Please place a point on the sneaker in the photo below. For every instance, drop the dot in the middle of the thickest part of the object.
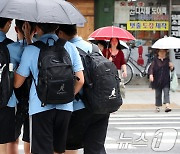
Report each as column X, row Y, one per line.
column 167, row 109
column 157, row 109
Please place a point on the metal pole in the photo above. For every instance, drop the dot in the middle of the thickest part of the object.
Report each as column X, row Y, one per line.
column 170, row 12
column 171, row 54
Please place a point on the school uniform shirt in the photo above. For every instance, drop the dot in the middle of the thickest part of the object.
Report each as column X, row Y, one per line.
column 15, row 51
column 28, row 64
column 87, row 47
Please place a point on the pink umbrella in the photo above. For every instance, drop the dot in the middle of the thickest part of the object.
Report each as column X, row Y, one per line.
column 106, row 33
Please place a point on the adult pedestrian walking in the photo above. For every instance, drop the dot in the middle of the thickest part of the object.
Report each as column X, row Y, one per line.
column 115, row 54
column 159, row 76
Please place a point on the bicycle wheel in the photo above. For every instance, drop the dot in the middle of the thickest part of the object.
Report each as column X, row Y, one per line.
column 147, row 70
column 129, row 74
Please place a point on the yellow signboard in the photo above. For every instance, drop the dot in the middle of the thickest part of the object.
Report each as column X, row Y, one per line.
column 148, row 25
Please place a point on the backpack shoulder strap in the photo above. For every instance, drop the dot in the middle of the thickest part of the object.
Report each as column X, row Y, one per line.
column 95, row 48
column 81, row 52
column 7, row 41
column 61, row 42
column 39, row 44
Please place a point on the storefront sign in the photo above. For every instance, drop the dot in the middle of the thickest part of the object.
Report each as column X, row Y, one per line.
column 148, row 25
column 134, row 10
column 175, row 24
column 148, row 13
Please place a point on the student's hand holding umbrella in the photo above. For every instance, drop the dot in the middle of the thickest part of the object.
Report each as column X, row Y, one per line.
column 27, row 32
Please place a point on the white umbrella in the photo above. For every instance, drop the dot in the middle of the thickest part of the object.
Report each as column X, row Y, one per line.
column 167, row 43
column 43, row 11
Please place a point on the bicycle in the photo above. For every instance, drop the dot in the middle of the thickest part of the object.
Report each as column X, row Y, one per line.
column 143, row 70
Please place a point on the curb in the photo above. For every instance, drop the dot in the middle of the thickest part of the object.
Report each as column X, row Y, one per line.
column 144, row 106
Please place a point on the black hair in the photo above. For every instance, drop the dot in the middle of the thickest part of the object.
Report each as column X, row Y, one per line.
column 102, row 42
column 47, row 27
column 118, row 46
column 3, row 21
column 19, row 24
column 69, row 30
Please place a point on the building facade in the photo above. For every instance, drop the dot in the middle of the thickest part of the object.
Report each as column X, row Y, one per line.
column 146, row 20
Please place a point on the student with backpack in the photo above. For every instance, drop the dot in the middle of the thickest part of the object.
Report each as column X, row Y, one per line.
column 49, row 103
column 25, row 32
column 86, row 129
column 9, row 57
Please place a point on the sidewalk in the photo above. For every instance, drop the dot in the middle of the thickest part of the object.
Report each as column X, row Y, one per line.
column 140, row 96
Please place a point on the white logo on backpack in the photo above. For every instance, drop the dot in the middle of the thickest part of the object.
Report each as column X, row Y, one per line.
column 61, row 90
column 113, row 94
column 1, row 70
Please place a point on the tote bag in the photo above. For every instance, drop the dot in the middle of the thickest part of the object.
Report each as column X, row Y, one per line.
column 174, row 81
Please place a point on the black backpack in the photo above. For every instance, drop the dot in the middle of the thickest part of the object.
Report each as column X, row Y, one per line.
column 101, row 93
column 56, row 77
column 6, row 77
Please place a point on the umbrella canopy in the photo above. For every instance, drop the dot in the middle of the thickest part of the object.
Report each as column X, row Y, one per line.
column 106, row 33
column 167, row 43
column 42, row 11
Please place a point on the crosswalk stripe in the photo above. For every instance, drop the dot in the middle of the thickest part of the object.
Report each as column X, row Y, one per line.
column 140, row 115
column 110, row 139
column 143, row 123
column 143, row 118
column 116, row 146
column 146, row 128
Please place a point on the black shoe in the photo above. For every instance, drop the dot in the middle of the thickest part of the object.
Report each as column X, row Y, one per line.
column 167, row 109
